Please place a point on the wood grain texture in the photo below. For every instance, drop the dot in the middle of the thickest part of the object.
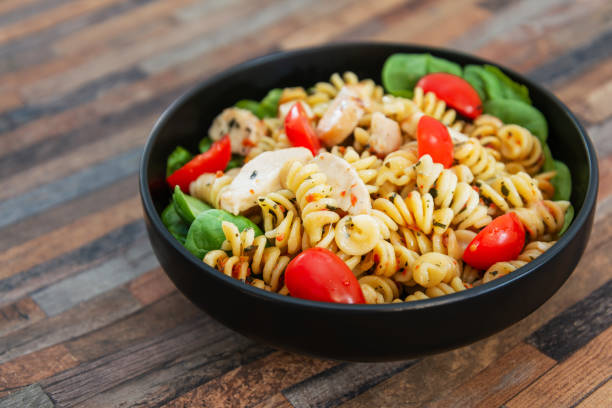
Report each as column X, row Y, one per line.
column 87, row 316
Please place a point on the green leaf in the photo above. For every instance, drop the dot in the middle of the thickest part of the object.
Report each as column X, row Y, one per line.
column 490, row 84
column 401, row 72
column 177, row 159
column 269, row 104
column 562, row 182
column 519, row 113
column 236, row 161
column 473, row 78
column 175, row 224
column 206, row 234
column 186, row 206
column 435, row 64
column 205, row 144
column 510, row 89
column 569, row 216
column 250, row 105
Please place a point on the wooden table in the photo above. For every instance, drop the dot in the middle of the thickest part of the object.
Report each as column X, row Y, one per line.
column 88, row 318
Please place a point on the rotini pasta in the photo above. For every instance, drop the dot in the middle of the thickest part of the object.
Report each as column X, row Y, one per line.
column 400, row 221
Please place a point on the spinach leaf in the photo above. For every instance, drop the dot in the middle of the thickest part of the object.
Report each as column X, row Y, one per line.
column 177, row 159
column 175, row 224
column 206, row 234
column 186, row 206
column 236, row 161
column 401, row 72
column 510, row 89
column 491, row 86
column 205, row 144
column 562, row 182
column 250, row 105
column 569, row 216
column 473, row 78
column 268, row 106
column 519, row 113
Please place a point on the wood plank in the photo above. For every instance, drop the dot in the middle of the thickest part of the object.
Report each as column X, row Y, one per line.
column 576, row 326
column 54, row 16
column 19, row 314
column 116, row 304
column 34, row 367
column 250, row 384
column 70, row 263
column 154, row 371
column 451, row 19
column 151, row 286
column 30, row 396
column 503, row 379
column 599, row 398
column 9, row 5
column 341, row 383
column 10, row 100
column 165, row 314
column 566, row 383
column 68, row 238
column 342, row 19
column 68, row 293
column 276, row 401
column 77, row 159
column 418, row 385
column 56, row 217
column 586, row 94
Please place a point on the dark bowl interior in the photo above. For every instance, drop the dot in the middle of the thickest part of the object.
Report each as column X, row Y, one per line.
column 357, row 332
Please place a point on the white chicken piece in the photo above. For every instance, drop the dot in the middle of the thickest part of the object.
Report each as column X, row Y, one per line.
column 343, row 114
column 244, row 129
column 385, row 134
column 410, row 124
column 258, row 177
column 283, row 109
column 349, row 191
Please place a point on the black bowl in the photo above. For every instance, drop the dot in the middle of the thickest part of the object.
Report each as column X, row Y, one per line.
column 357, row 332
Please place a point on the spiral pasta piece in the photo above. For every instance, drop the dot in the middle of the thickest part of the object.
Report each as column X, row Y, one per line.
column 543, row 219
column 479, row 160
column 452, row 243
column 531, row 252
column 357, row 234
column 431, row 105
column 397, row 169
column 281, row 221
column 454, row 286
column 378, row 289
column 366, row 165
column 209, row 186
column 433, row 268
column 513, row 191
column 313, row 198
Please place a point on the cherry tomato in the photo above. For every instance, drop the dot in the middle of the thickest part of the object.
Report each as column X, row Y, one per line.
column 455, row 91
column 214, row 159
column 299, row 130
column 319, row 274
column 433, row 139
column 501, row 240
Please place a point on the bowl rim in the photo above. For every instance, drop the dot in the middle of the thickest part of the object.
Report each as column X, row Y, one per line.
column 578, row 222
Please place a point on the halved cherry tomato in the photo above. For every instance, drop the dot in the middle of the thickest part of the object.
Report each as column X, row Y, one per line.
column 501, row 240
column 299, row 130
column 214, row 159
column 455, row 91
column 433, row 139
column 319, row 274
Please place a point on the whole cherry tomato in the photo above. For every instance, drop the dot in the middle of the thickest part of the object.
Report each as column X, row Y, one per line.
column 433, row 139
column 299, row 130
column 211, row 161
column 501, row 240
column 455, row 91
column 319, row 274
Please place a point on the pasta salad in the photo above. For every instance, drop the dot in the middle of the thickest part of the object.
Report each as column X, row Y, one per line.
column 348, row 191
